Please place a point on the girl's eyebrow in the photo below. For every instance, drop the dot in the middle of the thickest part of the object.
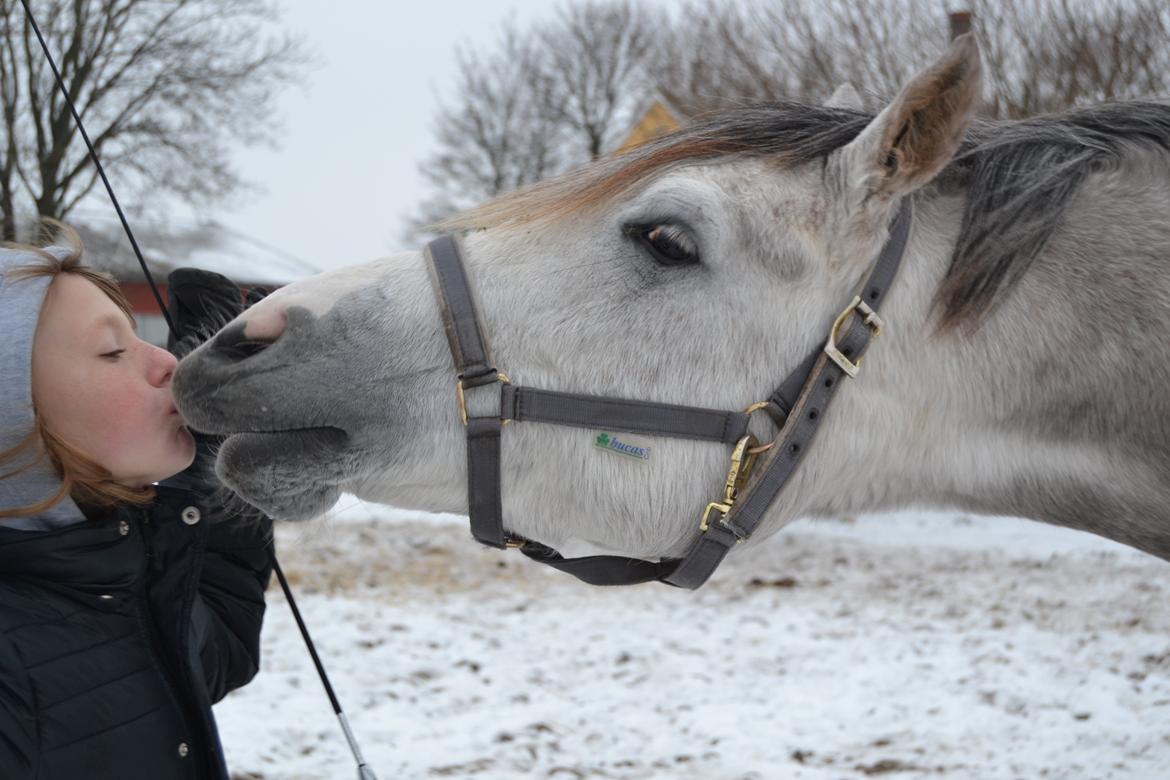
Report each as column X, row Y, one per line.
column 106, row 319
column 110, row 320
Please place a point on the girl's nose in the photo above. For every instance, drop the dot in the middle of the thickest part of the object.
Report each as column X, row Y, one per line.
column 162, row 366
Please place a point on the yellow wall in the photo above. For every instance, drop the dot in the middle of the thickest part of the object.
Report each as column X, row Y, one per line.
column 655, row 122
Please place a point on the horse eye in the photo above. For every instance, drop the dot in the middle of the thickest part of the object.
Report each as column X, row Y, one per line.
column 669, row 245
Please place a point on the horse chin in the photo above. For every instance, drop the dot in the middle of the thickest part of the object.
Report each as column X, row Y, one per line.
column 289, row 475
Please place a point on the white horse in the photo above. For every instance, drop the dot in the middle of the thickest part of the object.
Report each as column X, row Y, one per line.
column 1022, row 371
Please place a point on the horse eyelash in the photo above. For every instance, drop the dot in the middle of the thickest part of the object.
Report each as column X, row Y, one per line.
column 678, row 233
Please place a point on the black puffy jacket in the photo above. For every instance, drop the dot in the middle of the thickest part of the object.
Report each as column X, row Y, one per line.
column 117, row 635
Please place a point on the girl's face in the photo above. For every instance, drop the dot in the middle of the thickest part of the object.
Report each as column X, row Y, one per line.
column 104, row 390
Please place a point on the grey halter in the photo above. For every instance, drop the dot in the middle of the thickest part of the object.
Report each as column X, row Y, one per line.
column 797, row 406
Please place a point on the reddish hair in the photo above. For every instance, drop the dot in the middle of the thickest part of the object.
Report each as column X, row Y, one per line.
column 83, row 479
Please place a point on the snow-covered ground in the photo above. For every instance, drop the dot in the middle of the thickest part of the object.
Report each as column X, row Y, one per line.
column 903, row 646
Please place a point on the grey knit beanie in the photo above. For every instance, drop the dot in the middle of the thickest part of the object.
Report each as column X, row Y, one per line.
column 20, row 305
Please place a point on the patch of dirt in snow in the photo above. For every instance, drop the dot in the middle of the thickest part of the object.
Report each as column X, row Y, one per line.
column 818, row 655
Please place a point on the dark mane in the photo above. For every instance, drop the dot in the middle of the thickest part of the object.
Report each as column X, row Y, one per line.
column 1018, row 176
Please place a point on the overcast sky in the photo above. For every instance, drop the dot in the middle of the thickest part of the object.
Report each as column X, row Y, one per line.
column 338, row 188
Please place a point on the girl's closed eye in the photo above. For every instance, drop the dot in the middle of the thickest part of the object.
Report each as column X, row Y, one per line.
column 114, row 355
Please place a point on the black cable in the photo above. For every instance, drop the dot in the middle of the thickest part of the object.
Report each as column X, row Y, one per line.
column 305, row 633
column 97, row 163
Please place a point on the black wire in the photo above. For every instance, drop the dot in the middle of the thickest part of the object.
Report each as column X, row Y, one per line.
column 305, row 633
column 171, row 325
column 97, row 163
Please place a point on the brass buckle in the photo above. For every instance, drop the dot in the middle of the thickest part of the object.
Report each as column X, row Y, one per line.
column 869, row 317
column 742, row 461
column 758, row 449
column 461, row 395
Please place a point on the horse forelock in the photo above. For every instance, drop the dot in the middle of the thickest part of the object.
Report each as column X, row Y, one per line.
column 1018, row 177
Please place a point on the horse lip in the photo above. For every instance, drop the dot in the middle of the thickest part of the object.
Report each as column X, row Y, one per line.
column 305, row 429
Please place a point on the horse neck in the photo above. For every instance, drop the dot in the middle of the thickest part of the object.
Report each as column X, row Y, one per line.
column 1054, row 409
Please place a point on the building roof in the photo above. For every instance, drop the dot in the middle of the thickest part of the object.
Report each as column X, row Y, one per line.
column 659, row 116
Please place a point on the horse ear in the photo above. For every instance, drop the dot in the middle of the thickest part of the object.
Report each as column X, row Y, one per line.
column 918, row 133
column 845, row 96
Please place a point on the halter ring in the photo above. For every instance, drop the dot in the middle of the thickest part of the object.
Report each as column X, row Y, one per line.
column 461, row 396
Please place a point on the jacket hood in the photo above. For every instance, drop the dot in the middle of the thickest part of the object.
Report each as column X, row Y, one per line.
column 35, row 480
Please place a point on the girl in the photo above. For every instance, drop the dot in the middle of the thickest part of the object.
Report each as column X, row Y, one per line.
column 125, row 613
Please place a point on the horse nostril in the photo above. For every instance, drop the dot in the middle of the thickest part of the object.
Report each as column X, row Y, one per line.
column 259, row 328
column 232, row 344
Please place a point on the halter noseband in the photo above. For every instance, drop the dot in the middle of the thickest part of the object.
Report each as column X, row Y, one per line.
column 757, row 473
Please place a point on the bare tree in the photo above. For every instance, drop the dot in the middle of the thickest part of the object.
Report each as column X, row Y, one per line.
column 542, row 100
column 1039, row 55
column 724, row 54
column 593, row 76
column 1045, row 55
column 163, row 87
column 496, row 136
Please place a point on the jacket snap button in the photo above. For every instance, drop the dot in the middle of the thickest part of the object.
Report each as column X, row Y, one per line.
column 123, row 528
column 183, row 750
column 106, row 597
column 191, row 515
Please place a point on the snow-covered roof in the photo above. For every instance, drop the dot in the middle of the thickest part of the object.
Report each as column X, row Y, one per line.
column 205, row 244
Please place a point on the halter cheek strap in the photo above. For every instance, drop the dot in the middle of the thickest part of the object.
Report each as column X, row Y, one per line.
column 798, row 405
